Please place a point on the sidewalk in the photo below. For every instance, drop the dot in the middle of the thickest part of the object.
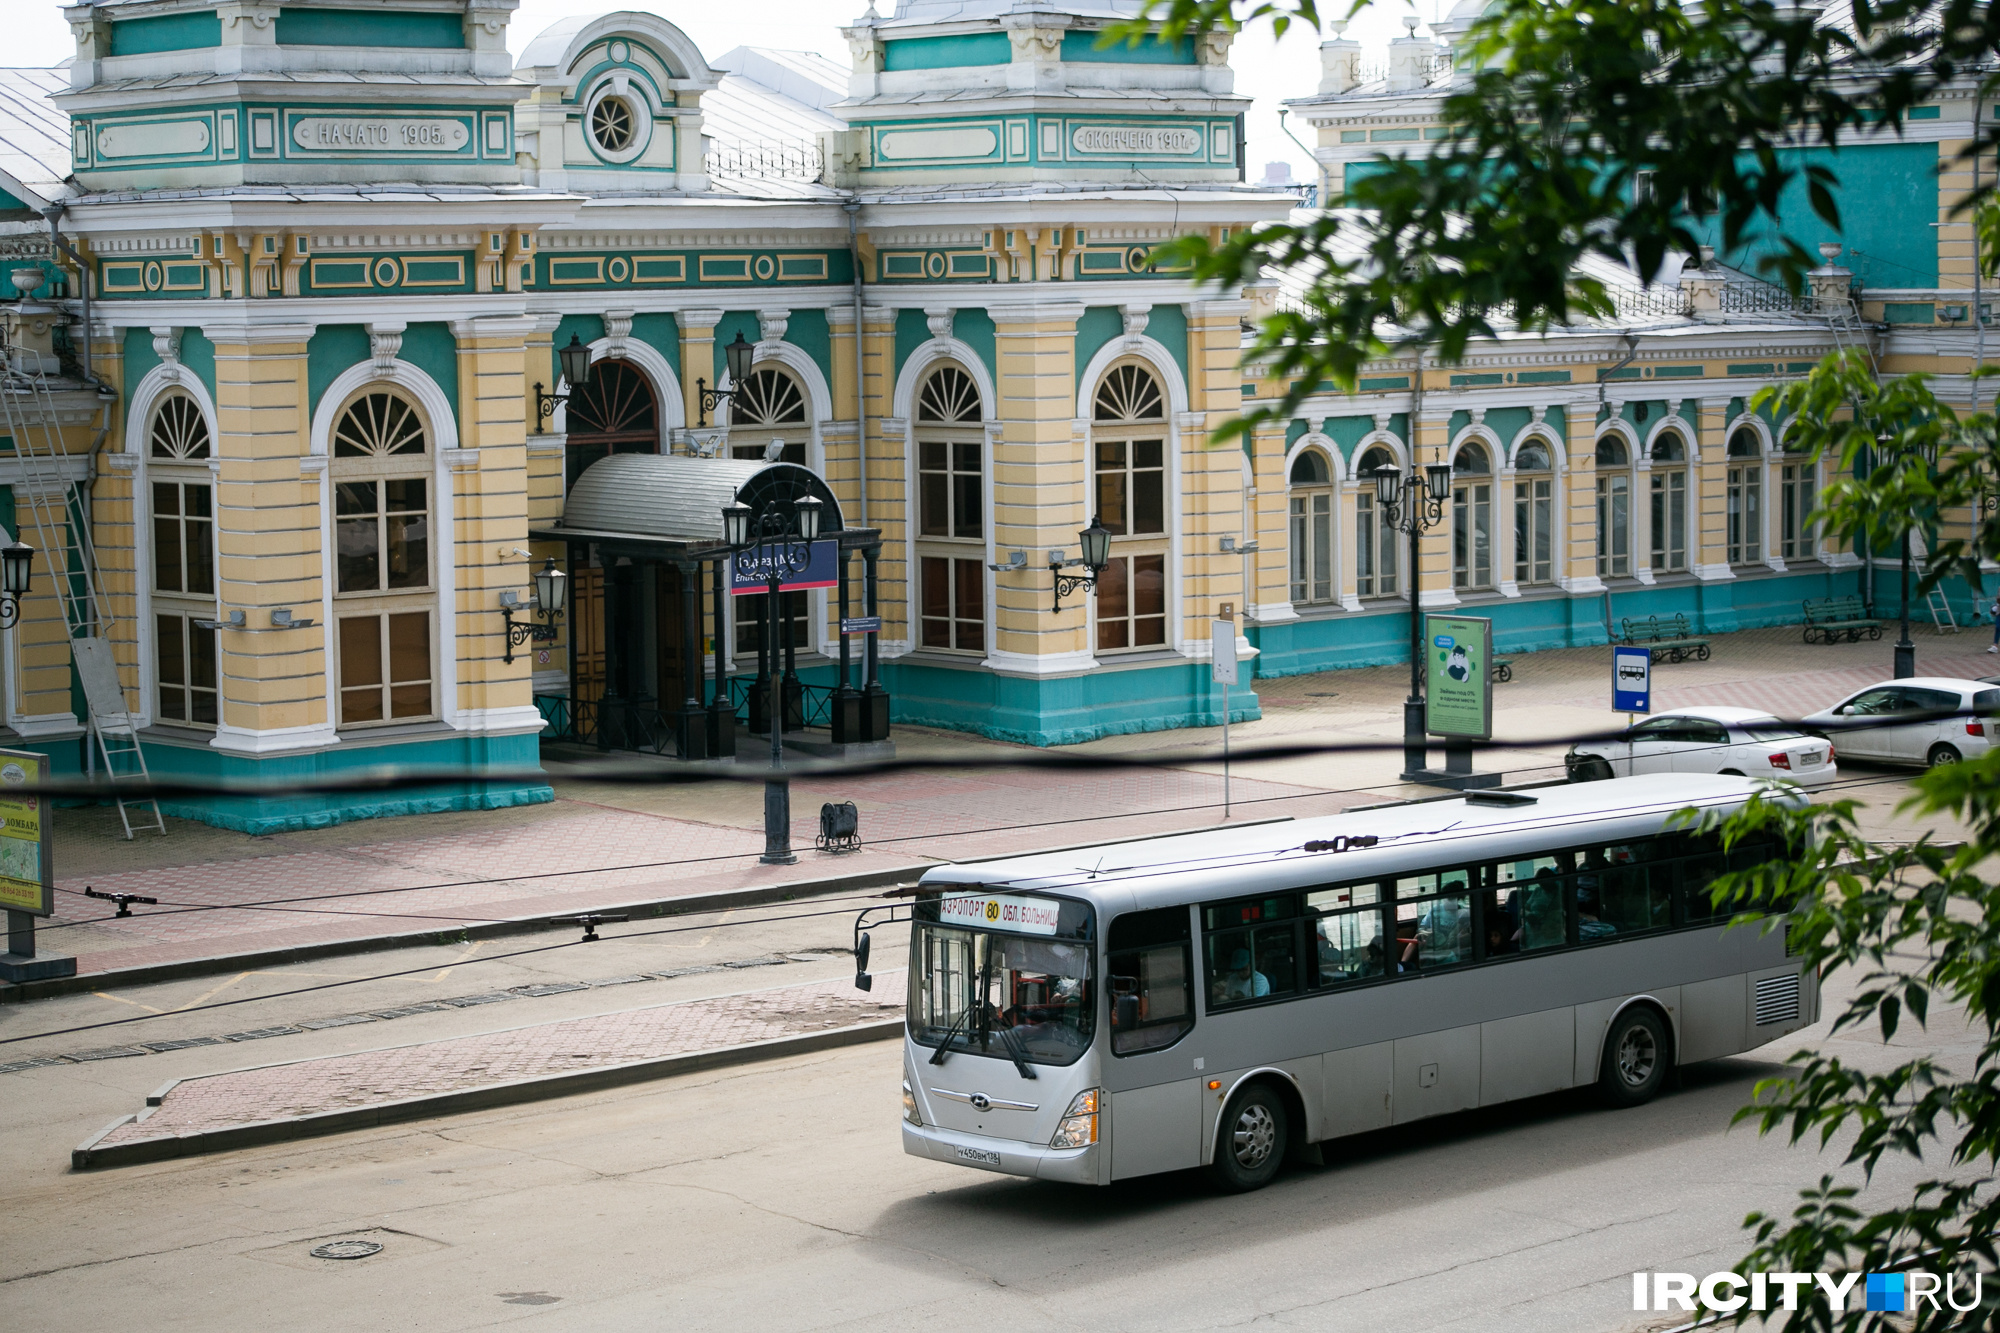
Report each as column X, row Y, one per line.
column 601, row 845
column 302, row 1098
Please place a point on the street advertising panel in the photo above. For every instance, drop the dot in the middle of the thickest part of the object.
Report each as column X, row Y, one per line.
column 27, row 836
column 1458, row 677
column 750, row 571
column 1223, row 633
column 1632, row 680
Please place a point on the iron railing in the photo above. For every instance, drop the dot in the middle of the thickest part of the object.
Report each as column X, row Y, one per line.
column 637, row 727
column 763, row 160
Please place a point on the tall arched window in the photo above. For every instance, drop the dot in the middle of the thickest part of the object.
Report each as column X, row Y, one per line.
column 1472, row 518
column 1129, row 430
column 1311, row 505
column 1798, row 494
column 951, row 512
column 1374, row 540
column 384, row 592
column 182, row 492
column 1746, row 498
column 1614, row 509
column 1534, row 513
column 769, row 405
column 613, row 412
column 1669, row 515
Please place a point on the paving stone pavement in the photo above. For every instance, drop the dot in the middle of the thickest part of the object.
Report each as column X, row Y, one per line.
column 371, row 1078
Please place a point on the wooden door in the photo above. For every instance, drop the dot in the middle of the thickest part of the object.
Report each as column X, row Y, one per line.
column 667, row 629
column 586, row 624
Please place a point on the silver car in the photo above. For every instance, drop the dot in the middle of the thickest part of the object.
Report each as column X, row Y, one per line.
column 1928, row 720
column 1707, row 738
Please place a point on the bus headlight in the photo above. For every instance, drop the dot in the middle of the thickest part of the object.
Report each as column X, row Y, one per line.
column 910, row 1105
column 1079, row 1124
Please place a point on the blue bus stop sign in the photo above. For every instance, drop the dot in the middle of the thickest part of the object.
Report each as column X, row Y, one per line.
column 1632, row 680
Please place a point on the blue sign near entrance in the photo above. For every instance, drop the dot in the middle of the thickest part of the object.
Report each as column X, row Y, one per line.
column 750, row 571
column 1632, row 680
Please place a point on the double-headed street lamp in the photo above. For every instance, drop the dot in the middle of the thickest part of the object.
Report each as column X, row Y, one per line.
column 781, row 533
column 1414, row 504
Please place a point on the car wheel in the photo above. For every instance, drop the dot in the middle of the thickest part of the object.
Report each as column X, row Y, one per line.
column 1635, row 1058
column 1733, row 773
column 1591, row 769
column 1250, row 1146
column 1941, row 755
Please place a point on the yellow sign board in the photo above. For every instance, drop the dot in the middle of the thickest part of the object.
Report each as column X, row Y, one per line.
column 27, row 870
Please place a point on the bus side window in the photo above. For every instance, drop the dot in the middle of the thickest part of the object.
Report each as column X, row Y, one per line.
column 1701, row 864
column 1347, row 936
column 1152, row 983
column 1620, row 891
column 1434, row 919
column 1256, row 960
column 1530, row 901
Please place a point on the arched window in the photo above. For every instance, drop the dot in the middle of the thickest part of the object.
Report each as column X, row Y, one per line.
column 1669, row 494
column 613, row 412
column 1129, row 430
column 951, row 512
column 1614, row 509
column 181, row 491
column 384, row 591
column 1374, row 539
column 1472, row 518
column 1534, row 513
column 1798, row 494
column 1746, row 498
column 1311, row 507
column 769, row 406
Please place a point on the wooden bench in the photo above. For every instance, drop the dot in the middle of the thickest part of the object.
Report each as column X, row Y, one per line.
column 1670, row 637
column 1503, row 668
column 1839, row 620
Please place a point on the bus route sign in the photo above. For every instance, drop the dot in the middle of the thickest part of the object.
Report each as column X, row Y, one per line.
column 27, row 863
column 1003, row 911
column 1458, row 679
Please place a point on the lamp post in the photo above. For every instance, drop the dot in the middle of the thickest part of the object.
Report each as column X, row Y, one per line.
column 575, row 360
column 782, row 534
column 1414, row 505
column 1095, row 543
column 738, row 354
column 17, row 561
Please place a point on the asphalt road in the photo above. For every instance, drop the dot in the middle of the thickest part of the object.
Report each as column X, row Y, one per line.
column 777, row 1197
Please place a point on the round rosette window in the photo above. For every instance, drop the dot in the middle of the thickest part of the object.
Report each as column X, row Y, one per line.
column 618, row 123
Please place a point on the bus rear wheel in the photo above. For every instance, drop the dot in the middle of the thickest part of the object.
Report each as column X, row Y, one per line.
column 1252, row 1142
column 1635, row 1058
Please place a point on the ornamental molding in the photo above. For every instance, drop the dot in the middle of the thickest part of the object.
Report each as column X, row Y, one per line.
column 167, row 346
column 937, row 318
column 617, row 329
column 400, row 240
column 771, row 325
column 385, row 342
column 804, row 238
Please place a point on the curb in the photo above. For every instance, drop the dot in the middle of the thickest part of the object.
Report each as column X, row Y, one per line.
column 88, row 1156
column 148, row 974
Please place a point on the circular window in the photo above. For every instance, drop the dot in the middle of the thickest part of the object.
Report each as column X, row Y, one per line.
column 612, row 125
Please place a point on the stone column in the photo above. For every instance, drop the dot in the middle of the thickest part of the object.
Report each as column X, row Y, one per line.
column 1269, row 597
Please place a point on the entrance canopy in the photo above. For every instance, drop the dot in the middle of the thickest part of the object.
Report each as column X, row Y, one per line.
column 665, row 500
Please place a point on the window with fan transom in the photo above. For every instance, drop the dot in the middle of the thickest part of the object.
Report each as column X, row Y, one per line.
column 180, row 491
column 951, row 511
column 382, row 474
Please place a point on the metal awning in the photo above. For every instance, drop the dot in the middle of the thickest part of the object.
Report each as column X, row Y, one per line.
column 675, row 502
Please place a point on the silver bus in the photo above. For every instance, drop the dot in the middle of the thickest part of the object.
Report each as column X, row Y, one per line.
column 1226, row 999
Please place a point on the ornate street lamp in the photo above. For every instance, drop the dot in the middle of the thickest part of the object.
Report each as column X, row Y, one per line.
column 782, row 534
column 1414, row 504
column 17, row 560
column 575, row 360
column 551, row 588
column 1095, row 542
column 738, row 356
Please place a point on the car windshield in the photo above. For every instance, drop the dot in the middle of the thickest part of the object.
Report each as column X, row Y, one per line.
column 1009, row 996
column 1768, row 731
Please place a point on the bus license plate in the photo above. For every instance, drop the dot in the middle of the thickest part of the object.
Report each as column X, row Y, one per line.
column 979, row 1155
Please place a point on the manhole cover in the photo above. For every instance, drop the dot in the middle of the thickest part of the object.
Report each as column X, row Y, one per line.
column 346, row 1249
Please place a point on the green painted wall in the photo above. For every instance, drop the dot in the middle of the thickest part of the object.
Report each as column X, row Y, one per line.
column 1888, row 197
column 166, row 32
column 9, row 201
column 586, row 329
column 331, row 350
column 912, row 332
column 975, row 48
column 1506, row 423
column 432, row 349
column 974, row 327
column 660, row 332
column 807, row 330
column 1083, row 47
column 197, row 354
column 1166, row 325
column 368, row 27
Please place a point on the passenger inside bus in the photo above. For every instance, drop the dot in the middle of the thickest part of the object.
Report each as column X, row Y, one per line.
column 1241, row 981
column 1542, row 912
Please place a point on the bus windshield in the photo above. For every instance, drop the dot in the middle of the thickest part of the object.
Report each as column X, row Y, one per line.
column 1006, row 996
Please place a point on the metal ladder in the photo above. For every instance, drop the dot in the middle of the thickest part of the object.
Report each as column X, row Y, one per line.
column 62, row 528
column 1941, row 615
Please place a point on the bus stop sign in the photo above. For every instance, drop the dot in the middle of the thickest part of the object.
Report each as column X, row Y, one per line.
column 1632, row 680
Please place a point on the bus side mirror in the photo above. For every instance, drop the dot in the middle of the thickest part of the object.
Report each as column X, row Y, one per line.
column 1125, row 1012
column 862, row 981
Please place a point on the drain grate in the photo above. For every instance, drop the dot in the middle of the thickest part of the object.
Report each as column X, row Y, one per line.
column 345, row 1249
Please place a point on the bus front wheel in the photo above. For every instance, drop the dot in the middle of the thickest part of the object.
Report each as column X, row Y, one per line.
column 1252, row 1142
column 1635, row 1058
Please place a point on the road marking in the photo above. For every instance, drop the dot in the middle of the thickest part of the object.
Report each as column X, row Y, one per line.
column 474, row 948
column 213, row 993
column 107, row 995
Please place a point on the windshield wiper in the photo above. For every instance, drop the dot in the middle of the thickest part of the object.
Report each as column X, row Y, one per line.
column 1012, row 1043
column 944, row 1047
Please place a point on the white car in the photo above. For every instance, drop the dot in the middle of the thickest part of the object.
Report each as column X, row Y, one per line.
column 1707, row 738
column 1927, row 720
